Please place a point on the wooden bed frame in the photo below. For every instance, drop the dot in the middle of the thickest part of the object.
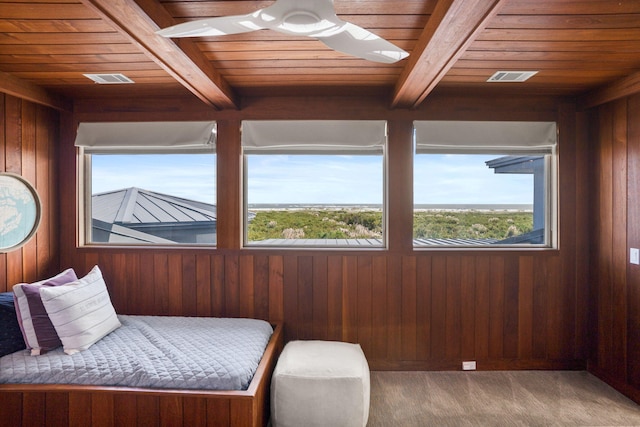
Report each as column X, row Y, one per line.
column 79, row 405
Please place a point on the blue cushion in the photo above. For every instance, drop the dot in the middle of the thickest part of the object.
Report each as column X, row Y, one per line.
column 6, row 300
column 10, row 335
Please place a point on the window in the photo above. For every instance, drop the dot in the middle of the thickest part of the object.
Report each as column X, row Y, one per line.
column 149, row 183
column 314, row 183
column 484, row 184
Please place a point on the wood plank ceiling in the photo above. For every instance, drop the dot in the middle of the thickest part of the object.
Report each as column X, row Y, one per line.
column 576, row 46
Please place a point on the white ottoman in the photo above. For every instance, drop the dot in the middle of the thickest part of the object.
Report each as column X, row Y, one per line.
column 320, row 383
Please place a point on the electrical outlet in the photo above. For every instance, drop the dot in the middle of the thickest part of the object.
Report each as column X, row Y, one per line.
column 469, row 365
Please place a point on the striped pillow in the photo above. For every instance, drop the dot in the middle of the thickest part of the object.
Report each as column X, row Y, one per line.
column 81, row 311
column 38, row 332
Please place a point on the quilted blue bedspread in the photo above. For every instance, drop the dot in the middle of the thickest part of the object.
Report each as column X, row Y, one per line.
column 155, row 352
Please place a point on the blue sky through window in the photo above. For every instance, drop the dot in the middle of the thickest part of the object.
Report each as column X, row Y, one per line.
column 315, row 179
column 190, row 176
column 466, row 179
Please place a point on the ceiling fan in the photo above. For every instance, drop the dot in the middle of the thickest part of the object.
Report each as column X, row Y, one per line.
column 311, row 18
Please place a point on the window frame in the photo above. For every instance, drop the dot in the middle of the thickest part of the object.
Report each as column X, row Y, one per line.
column 299, row 243
column 200, row 141
column 551, row 192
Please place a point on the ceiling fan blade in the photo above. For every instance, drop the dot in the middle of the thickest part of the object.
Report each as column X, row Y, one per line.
column 220, row 26
column 312, row 18
column 356, row 41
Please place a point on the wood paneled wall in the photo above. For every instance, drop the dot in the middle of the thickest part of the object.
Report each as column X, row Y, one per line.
column 408, row 309
column 28, row 140
column 615, row 306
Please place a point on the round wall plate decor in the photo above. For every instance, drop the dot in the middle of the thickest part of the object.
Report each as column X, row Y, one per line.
column 20, row 209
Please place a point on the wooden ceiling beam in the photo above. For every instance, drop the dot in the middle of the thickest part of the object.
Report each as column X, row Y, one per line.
column 451, row 28
column 17, row 87
column 139, row 20
column 626, row 86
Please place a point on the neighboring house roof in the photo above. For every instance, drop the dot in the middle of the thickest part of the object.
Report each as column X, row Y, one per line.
column 113, row 233
column 514, row 164
column 134, row 215
column 370, row 242
column 454, row 242
column 138, row 206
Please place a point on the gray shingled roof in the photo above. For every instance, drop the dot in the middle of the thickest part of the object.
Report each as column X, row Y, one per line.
column 138, row 206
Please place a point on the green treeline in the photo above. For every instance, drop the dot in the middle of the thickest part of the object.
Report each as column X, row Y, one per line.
column 363, row 224
column 471, row 224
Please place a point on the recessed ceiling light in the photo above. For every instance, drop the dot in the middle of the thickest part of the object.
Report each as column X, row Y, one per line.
column 511, row 76
column 109, row 79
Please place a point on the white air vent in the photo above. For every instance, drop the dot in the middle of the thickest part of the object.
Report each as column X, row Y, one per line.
column 109, row 79
column 511, row 76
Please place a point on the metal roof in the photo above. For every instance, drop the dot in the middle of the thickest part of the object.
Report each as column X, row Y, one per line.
column 113, row 233
column 137, row 206
column 370, row 242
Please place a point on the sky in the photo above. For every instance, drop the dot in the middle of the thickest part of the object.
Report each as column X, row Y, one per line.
column 295, row 179
column 466, row 179
column 315, row 179
column 191, row 176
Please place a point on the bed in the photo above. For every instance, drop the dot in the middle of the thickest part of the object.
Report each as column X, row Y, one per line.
column 85, row 404
column 132, row 396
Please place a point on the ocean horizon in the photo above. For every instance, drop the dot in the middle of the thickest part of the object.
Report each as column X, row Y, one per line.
column 419, row 206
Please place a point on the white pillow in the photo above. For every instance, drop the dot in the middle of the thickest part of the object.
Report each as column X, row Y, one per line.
column 37, row 330
column 81, row 311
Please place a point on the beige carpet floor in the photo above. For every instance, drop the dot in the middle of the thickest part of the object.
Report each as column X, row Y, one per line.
column 503, row 398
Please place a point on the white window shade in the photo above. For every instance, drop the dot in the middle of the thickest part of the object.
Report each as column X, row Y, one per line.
column 498, row 137
column 147, row 137
column 314, row 136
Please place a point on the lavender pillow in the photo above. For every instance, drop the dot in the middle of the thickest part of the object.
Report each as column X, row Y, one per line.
column 37, row 330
